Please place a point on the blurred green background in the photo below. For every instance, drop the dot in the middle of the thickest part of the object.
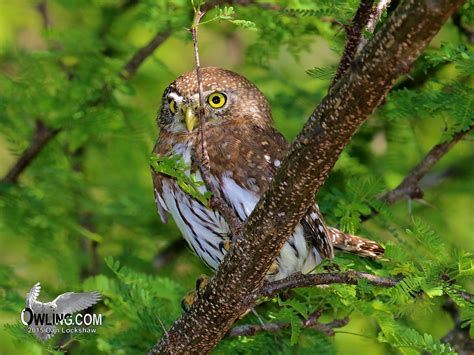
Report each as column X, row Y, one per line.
column 88, row 195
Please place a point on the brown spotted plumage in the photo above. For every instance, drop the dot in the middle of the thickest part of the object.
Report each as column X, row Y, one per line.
column 245, row 152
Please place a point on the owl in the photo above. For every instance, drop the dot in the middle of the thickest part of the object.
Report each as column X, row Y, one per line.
column 245, row 151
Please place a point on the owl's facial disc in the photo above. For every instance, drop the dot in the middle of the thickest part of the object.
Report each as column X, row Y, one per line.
column 185, row 110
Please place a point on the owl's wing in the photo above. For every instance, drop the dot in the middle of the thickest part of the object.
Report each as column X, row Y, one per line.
column 160, row 203
column 314, row 225
column 71, row 302
column 157, row 185
column 243, row 162
column 33, row 294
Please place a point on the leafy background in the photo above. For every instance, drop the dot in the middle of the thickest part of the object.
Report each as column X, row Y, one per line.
column 82, row 217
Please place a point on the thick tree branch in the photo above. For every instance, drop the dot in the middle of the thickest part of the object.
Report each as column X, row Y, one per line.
column 217, row 202
column 354, row 36
column 311, row 157
column 312, row 322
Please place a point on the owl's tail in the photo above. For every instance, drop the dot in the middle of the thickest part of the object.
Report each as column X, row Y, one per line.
column 354, row 244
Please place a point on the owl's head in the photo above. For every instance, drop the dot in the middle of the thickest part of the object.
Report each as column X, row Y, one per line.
column 228, row 97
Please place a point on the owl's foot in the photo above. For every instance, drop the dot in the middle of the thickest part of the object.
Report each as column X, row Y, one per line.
column 191, row 297
column 273, row 269
column 225, row 244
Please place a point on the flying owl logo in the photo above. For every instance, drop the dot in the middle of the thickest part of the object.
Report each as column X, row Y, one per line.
column 43, row 317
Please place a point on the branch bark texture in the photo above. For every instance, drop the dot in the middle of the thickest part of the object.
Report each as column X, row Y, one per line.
column 236, row 285
column 354, row 36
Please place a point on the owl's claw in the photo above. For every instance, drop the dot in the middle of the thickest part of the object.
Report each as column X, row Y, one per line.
column 273, row 269
column 191, row 297
column 225, row 244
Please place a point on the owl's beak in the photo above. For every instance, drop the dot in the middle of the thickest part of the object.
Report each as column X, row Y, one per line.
column 190, row 119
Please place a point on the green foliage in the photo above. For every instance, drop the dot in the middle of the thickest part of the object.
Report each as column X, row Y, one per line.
column 406, row 339
column 177, row 168
column 86, row 200
column 326, row 73
column 228, row 14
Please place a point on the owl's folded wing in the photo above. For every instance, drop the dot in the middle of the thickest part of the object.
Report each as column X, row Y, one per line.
column 160, row 203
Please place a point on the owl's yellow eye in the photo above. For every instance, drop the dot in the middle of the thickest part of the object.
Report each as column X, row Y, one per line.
column 217, row 100
column 172, row 106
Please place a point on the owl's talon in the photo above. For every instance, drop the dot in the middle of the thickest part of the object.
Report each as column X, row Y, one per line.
column 273, row 269
column 192, row 296
column 201, row 282
column 225, row 244
column 188, row 300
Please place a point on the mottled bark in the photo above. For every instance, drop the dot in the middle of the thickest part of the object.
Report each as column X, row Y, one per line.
column 354, row 37
column 311, row 157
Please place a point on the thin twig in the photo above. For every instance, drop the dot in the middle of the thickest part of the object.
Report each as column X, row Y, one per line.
column 410, row 188
column 42, row 8
column 312, row 322
column 458, row 336
column 43, row 134
column 354, row 35
column 131, row 67
column 217, row 202
column 41, row 137
column 307, row 280
column 464, row 29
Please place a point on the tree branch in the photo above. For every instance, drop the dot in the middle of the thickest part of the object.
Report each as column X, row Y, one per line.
column 458, row 337
column 217, row 201
column 43, row 134
column 312, row 322
column 41, row 137
column 131, row 67
column 465, row 30
column 409, row 187
column 236, row 285
column 271, row 289
column 354, row 35
column 42, row 8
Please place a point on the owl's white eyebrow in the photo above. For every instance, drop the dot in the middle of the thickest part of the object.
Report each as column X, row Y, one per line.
column 175, row 97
